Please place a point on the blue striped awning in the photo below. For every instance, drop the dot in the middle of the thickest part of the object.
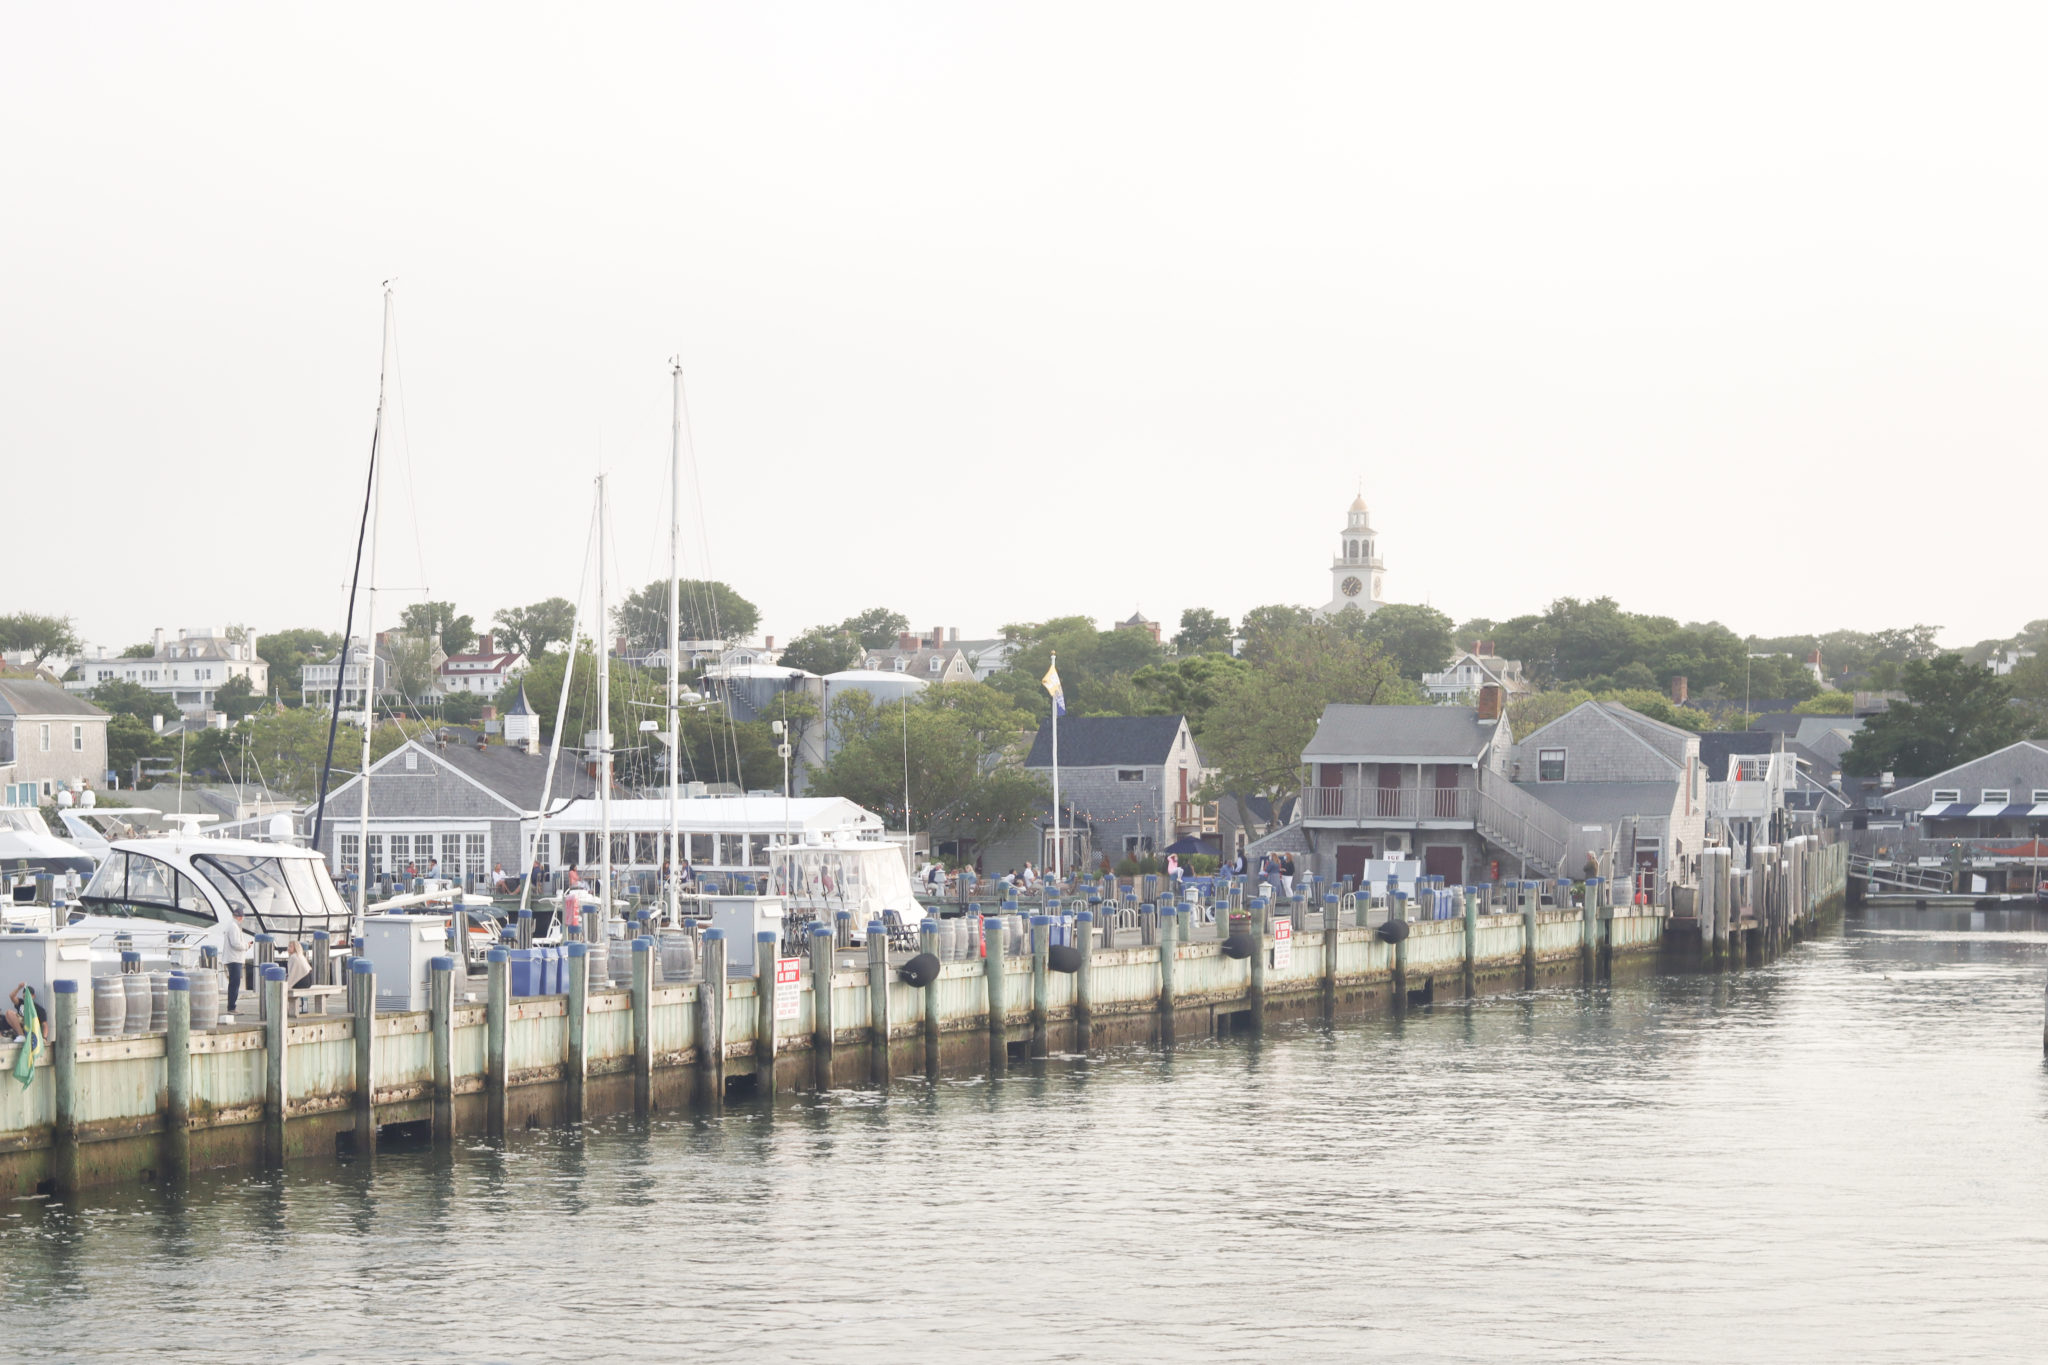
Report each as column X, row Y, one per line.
column 1954, row 810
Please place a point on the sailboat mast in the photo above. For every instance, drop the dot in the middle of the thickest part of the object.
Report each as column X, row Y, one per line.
column 604, row 718
column 369, row 634
column 675, row 635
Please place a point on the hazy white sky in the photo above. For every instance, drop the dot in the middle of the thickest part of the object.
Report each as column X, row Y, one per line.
column 994, row 313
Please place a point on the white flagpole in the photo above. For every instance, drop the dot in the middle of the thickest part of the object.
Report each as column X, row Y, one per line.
column 1057, row 703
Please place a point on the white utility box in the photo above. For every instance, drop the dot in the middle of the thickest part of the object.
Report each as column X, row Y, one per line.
column 742, row 917
column 44, row 957
column 401, row 949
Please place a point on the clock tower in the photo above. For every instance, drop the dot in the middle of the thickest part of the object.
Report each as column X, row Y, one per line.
column 1357, row 574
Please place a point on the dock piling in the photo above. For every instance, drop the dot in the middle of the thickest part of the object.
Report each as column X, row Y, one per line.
column 64, row 1175
column 1168, row 952
column 1084, row 991
column 177, row 1155
column 878, row 1002
column 441, row 1020
column 364, row 1030
column 1528, row 907
column 992, row 970
column 497, row 1001
column 1471, row 942
column 711, row 1020
column 767, row 947
column 1258, row 925
column 928, row 942
column 1041, row 981
column 1589, row 911
column 1397, row 908
column 277, row 1077
column 821, row 1003
column 643, row 1025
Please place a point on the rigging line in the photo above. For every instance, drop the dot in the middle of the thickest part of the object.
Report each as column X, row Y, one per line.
column 547, row 786
column 707, row 591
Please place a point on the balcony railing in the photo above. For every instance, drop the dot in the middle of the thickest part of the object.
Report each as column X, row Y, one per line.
column 1192, row 817
column 1399, row 804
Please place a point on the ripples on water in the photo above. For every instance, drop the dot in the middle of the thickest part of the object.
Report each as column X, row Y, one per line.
column 1836, row 1158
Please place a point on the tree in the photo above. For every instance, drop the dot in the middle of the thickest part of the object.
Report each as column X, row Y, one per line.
column 289, row 747
column 1189, row 686
column 439, row 620
column 1827, row 704
column 709, row 611
column 120, row 697
column 462, row 708
column 130, row 739
column 875, row 628
column 1953, row 712
column 532, row 630
column 822, row 650
column 411, row 661
column 2029, row 683
column 1089, row 661
column 1417, row 640
column 236, row 698
column 959, row 744
column 40, row 636
column 289, row 651
column 1265, row 716
column 1202, row 631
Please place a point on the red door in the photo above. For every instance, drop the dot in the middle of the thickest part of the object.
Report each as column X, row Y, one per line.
column 1446, row 791
column 1351, row 860
column 1445, row 862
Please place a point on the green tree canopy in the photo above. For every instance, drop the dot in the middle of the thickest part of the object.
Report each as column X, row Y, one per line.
column 1416, row 640
column 1095, row 665
column 876, row 628
column 1827, row 704
column 1202, row 632
column 1188, row 686
column 1953, row 712
column 1264, row 717
column 289, row 651
column 822, row 650
column 440, row 621
column 40, row 635
column 533, row 630
column 237, row 698
column 709, row 611
column 120, row 697
column 130, row 738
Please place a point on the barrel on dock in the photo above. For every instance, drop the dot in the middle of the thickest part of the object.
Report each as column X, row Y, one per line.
column 109, row 1006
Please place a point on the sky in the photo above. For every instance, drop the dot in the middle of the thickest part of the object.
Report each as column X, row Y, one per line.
column 992, row 313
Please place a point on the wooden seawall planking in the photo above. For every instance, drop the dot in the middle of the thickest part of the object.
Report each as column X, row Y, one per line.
column 100, row 1110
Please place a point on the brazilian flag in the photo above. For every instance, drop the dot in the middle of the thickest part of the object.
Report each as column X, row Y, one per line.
column 31, row 1039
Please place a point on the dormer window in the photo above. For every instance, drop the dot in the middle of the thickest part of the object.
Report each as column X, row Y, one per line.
column 937, row 663
column 902, row 665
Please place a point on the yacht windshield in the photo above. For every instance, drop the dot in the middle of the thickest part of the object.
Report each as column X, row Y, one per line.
column 130, row 884
column 283, row 895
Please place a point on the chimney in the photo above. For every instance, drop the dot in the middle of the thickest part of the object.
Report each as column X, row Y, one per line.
column 487, row 643
column 768, row 642
column 1678, row 692
column 618, row 646
column 953, row 635
column 159, row 638
column 490, row 713
column 905, row 641
column 156, row 723
column 1484, row 648
column 1489, row 702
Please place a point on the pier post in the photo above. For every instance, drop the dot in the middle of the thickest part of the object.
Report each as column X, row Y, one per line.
column 1041, row 981
column 364, row 1032
column 992, row 971
column 1397, row 908
column 711, row 1020
column 1258, row 923
column 441, row 1020
column 64, row 1175
column 928, row 942
column 767, row 947
column 458, row 941
column 878, row 1002
column 1528, row 904
column 643, row 1025
column 177, row 1157
column 821, row 1003
column 497, row 1000
column 1084, row 990
column 1604, row 923
column 1333, row 944
column 578, row 1068
column 1471, row 943
column 1168, row 952
column 525, row 926
column 1589, row 929
column 277, row 1076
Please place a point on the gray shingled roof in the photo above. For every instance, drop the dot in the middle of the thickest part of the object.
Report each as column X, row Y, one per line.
column 1604, row 803
column 515, row 774
column 24, row 697
column 1398, row 734
column 1099, row 741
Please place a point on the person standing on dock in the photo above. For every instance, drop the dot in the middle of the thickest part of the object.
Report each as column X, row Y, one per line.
column 234, row 955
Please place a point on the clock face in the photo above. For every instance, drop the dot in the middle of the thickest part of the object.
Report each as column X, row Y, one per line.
column 1351, row 587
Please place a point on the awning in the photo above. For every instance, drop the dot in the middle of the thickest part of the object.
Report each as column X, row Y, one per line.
column 2039, row 812
column 2018, row 810
column 1987, row 810
column 1954, row 810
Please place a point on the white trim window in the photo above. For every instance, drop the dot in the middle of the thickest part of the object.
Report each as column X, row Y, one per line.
column 1946, row 796
column 78, row 739
column 1550, row 765
column 2041, row 796
column 45, row 731
column 2002, row 795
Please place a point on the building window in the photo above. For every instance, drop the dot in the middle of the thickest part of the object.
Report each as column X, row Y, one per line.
column 1999, row 794
column 1550, row 765
column 1137, row 844
column 902, row 665
column 1130, row 774
column 78, row 739
column 1946, row 796
column 351, row 851
column 473, row 854
column 2041, row 796
column 46, row 738
column 937, row 663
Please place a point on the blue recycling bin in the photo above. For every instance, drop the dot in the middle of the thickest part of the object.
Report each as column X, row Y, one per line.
column 525, row 971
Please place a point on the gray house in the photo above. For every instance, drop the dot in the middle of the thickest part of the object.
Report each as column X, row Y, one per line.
column 1633, row 788
column 1132, row 780
column 462, row 805
column 49, row 738
column 2003, row 795
column 1427, row 784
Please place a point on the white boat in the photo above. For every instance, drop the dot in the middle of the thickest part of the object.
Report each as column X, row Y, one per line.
column 171, row 898
column 25, row 841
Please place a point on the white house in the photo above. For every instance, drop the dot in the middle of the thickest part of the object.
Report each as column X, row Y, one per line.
column 1471, row 669
column 481, row 672
column 189, row 669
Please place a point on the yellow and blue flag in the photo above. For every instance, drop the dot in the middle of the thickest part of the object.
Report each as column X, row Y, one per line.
column 1052, row 685
column 31, row 1039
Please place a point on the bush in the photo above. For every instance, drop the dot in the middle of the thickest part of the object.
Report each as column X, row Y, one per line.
column 1201, row 864
column 1128, row 867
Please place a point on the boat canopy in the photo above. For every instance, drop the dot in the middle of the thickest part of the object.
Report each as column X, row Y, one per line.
column 203, row 882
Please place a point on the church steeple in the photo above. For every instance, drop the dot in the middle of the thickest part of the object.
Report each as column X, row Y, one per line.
column 1357, row 574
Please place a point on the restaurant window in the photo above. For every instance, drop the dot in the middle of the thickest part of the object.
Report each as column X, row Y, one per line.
column 2001, row 795
column 1946, row 796
column 1550, row 765
column 1130, row 774
column 700, row 847
column 351, row 852
column 2040, row 795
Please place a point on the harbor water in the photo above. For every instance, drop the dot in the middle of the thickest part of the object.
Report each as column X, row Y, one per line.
column 1837, row 1157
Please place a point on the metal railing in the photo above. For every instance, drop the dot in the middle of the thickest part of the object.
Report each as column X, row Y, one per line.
column 1390, row 803
column 1517, row 821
